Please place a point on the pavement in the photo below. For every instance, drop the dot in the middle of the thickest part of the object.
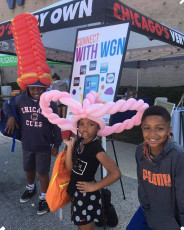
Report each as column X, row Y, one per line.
column 22, row 216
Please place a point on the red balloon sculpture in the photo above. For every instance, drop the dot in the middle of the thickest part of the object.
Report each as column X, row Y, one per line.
column 32, row 65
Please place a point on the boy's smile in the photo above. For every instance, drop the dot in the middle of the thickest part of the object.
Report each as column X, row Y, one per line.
column 36, row 92
column 155, row 131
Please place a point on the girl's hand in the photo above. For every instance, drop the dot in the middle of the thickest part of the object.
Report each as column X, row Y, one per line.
column 69, row 143
column 86, row 186
column 69, row 153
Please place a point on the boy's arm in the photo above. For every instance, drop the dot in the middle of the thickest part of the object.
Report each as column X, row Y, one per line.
column 179, row 187
column 57, row 138
column 143, row 199
column 7, row 109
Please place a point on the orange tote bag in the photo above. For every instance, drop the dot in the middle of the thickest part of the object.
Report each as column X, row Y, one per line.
column 57, row 197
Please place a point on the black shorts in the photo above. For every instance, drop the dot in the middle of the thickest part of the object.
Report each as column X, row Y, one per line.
column 37, row 161
column 86, row 207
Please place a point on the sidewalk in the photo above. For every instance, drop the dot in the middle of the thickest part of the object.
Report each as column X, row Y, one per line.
column 17, row 216
column 126, row 157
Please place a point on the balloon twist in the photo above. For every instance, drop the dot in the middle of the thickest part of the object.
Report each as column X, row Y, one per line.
column 32, row 65
column 92, row 109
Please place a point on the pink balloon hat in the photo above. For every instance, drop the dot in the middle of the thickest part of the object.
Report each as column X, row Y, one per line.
column 93, row 109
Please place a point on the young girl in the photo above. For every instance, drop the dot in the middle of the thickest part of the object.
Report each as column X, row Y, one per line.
column 83, row 158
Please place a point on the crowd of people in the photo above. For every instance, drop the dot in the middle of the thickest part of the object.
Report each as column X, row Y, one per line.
column 160, row 163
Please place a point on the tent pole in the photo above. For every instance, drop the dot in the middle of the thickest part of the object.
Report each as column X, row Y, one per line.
column 52, row 70
column 1, row 70
column 137, row 81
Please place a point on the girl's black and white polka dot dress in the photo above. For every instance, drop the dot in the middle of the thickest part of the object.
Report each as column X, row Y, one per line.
column 86, row 207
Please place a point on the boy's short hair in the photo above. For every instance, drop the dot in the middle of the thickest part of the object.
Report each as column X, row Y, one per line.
column 156, row 110
column 56, row 76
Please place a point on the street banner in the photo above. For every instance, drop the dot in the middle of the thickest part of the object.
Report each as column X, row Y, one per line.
column 69, row 14
column 11, row 60
column 8, row 60
column 118, row 11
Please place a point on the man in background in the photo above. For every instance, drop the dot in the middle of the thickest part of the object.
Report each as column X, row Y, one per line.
column 61, row 85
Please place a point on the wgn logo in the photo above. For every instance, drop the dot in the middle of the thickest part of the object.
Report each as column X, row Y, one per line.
column 11, row 3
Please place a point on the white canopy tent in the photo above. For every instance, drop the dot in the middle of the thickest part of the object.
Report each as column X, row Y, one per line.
column 60, row 21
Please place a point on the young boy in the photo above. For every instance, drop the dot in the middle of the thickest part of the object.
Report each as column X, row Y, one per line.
column 160, row 171
column 40, row 139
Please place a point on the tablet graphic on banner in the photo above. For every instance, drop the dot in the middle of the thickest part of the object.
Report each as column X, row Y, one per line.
column 91, row 83
column 104, row 68
column 98, row 61
column 76, row 81
column 83, row 69
column 110, row 77
column 92, row 65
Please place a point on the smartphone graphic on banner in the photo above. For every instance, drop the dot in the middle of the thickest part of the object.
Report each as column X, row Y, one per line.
column 91, row 83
